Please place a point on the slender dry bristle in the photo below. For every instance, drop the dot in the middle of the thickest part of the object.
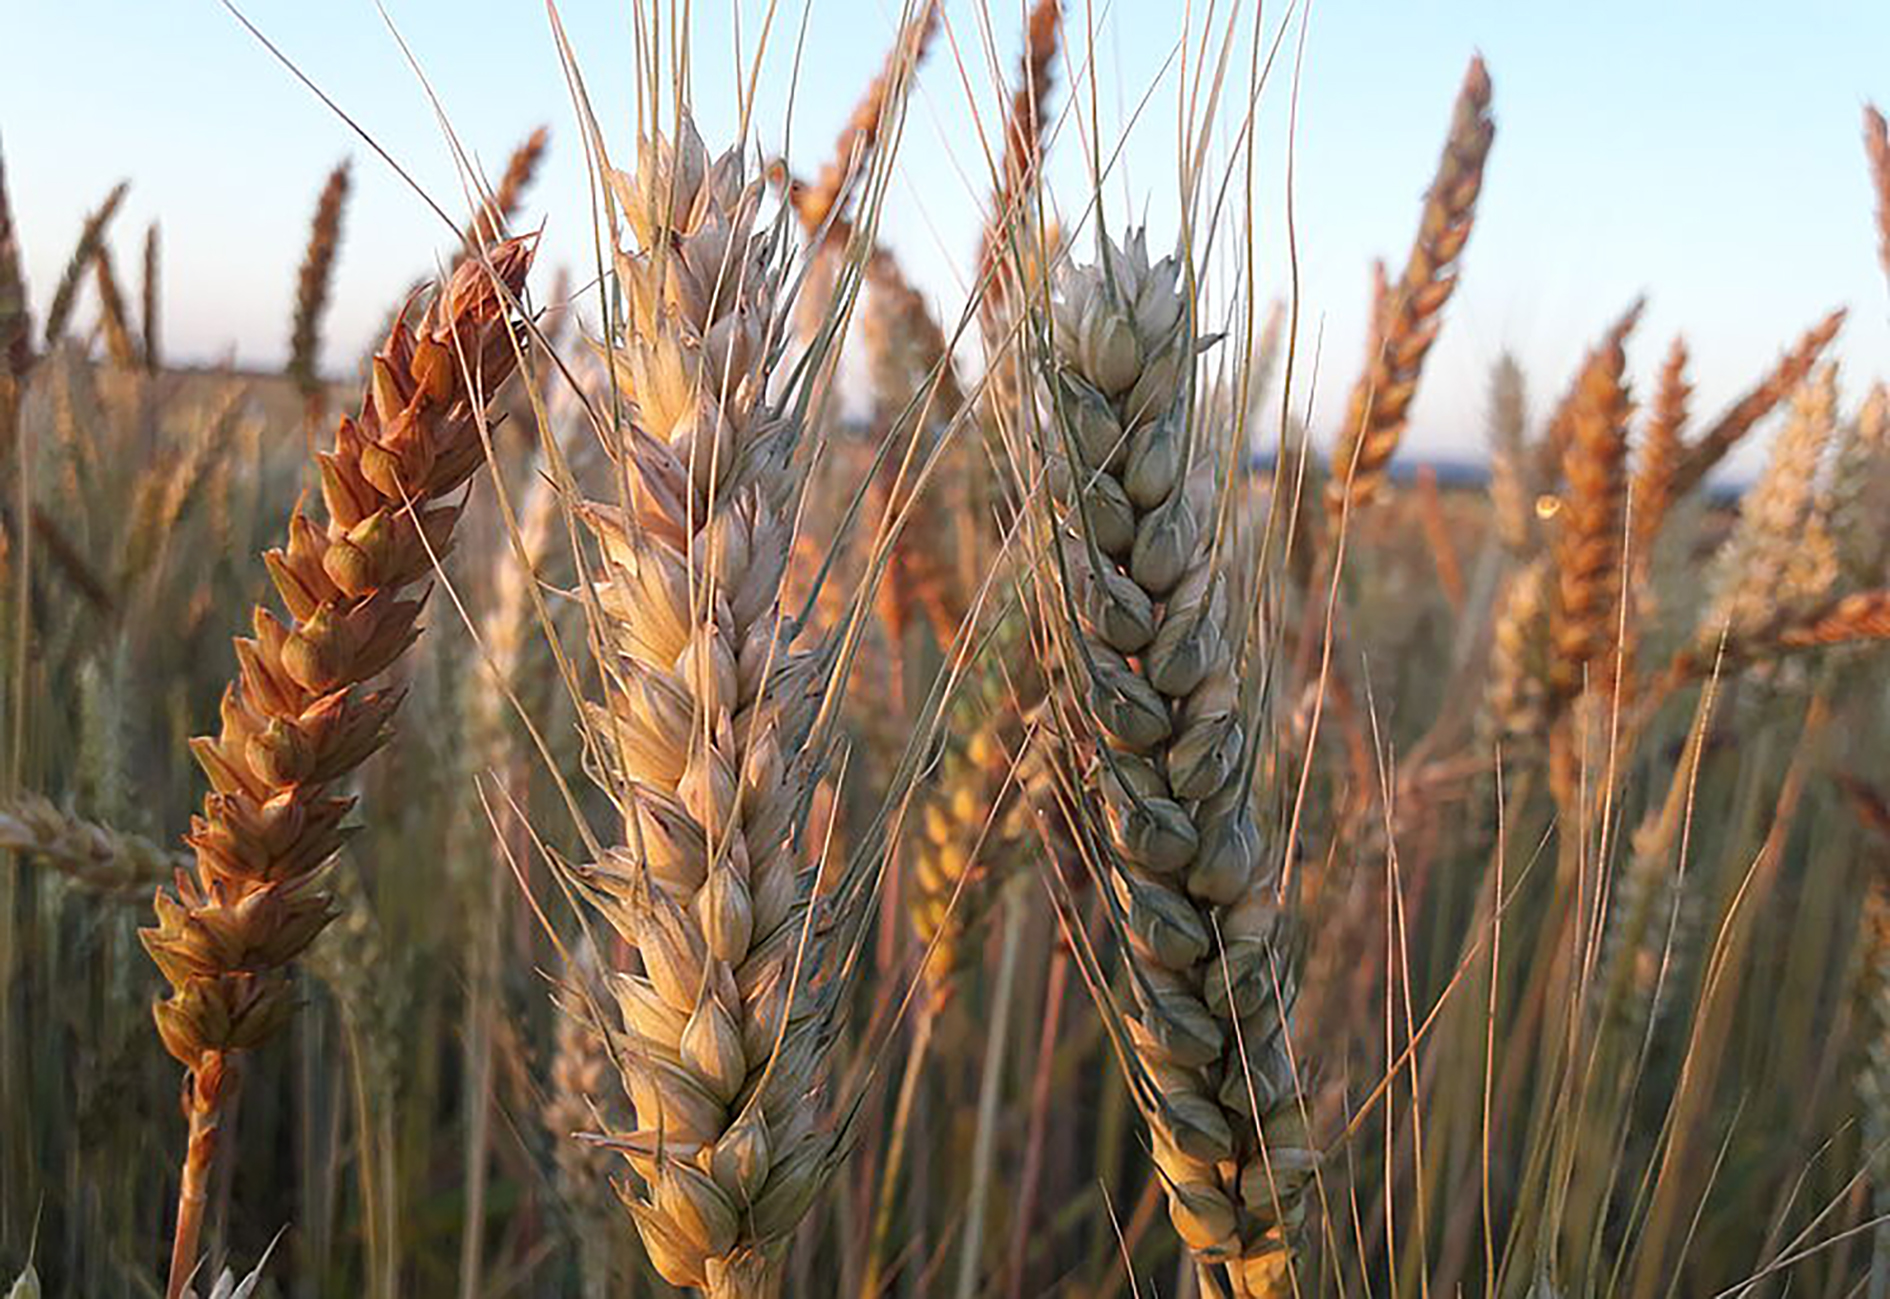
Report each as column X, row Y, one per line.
column 1786, row 375
column 91, row 238
column 494, row 216
column 1588, row 543
column 1877, row 149
column 313, row 283
column 1407, row 318
column 1023, row 138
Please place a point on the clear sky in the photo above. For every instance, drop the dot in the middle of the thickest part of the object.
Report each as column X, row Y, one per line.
column 1705, row 153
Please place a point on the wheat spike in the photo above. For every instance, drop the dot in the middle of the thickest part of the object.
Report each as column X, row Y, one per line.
column 708, row 724
column 1776, row 386
column 495, row 213
column 299, row 718
column 1588, row 539
column 1406, row 319
column 1779, row 562
column 97, row 858
column 1857, row 484
column 1663, row 447
column 113, row 317
column 16, row 317
column 1517, row 705
column 312, row 285
column 1151, row 616
column 91, row 238
column 148, row 313
column 1877, row 151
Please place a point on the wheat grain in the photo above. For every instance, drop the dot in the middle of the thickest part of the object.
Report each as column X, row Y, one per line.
column 1406, row 319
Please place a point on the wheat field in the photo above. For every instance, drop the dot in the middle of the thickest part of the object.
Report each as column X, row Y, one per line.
column 712, row 771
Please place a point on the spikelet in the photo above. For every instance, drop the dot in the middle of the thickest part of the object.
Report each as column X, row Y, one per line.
column 91, row 238
column 1151, row 617
column 1778, row 384
column 1588, row 538
column 1871, row 991
column 1779, row 562
column 1877, row 151
column 1406, row 319
column 1513, row 486
column 312, row 285
column 300, row 718
column 97, row 858
column 708, row 723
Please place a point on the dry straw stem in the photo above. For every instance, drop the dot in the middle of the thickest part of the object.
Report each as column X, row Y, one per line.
column 1785, row 376
column 1877, row 150
column 95, row 857
column 1588, row 538
column 495, row 213
column 710, row 728
column 299, row 719
column 1406, row 318
column 1156, row 656
column 91, row 239
column 313, row 284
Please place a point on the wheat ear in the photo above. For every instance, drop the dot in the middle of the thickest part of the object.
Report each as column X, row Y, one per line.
column 112, row 314
column 300, row 718
column 1778, row 384
column 1513, row 489
column 1589, row 537
column 1877, row 151
column 91, row 237
column 708, row 727
column 1406, row 318
column 1663, row 448
column 1151, row 613
column 312, row 285
column 96, row 857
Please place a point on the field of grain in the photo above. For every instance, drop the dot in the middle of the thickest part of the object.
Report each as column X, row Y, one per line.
column 732, row 781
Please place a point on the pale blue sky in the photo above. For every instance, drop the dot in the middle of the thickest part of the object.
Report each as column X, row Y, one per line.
column 1707, row 153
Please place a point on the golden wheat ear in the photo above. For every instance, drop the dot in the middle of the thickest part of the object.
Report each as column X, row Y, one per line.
column 301, row 717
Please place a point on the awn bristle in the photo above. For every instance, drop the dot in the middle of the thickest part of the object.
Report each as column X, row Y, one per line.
column 1406, row 319
column 1780, row 383
column 91, row 239
column 709, row 728
column 1155, row 639
column 1588, row 536
column 97, row 858
column 313, row 283
column 300, row 719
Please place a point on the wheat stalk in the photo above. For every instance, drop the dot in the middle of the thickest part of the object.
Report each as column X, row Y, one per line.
column 1406, row 319
column 299, row 718
column 1150, row 615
